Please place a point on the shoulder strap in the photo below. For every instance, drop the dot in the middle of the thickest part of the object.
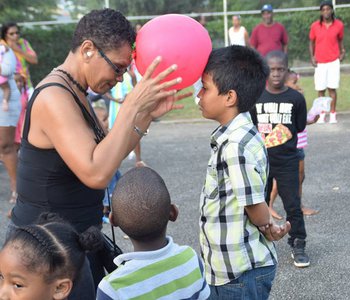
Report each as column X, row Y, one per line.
column 36, row 92
column 99, row 133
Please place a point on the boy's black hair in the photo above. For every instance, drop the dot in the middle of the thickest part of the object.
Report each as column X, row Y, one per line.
column 107, row 28
column 241, row 69
column 53, row 247
column 279, row 55
column 141, row 204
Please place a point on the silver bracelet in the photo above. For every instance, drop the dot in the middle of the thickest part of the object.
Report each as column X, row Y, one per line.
column 139, row 132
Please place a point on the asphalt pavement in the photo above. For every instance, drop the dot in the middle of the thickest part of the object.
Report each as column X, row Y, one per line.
column 179, row 151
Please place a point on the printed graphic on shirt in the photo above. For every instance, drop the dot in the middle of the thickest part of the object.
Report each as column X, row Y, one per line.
column 270, row 113
column 278, row 136
column 273, row 113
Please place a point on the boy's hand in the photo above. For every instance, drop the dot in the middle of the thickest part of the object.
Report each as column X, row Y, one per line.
column 274, row 232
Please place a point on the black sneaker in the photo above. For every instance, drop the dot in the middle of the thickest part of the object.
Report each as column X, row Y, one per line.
column 301, row 259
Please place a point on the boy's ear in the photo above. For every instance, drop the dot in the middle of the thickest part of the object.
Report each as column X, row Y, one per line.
column 112, row 219
column 174, row 212
column 62, row 288
column 231, row 98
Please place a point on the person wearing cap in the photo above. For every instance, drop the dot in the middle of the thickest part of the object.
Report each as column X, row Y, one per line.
column 326, row 51
column 269, row 35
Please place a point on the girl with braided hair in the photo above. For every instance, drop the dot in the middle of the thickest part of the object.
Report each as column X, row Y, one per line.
column 42, row 261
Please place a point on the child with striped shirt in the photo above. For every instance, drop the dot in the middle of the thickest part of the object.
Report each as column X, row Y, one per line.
column 158, row 268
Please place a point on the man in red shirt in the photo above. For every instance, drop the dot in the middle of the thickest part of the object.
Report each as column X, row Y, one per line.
column 269, row 35
column 326, row 51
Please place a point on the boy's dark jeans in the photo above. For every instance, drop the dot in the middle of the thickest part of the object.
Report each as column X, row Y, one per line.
column 287, row 178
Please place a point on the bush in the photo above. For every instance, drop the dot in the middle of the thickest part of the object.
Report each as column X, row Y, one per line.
column 297, row 25
column 52, row 44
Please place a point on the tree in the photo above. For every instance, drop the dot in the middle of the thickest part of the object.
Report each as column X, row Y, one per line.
column 20, row 11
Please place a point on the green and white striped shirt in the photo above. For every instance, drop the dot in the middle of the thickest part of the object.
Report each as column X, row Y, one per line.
column 173, row 272
column 236, row 177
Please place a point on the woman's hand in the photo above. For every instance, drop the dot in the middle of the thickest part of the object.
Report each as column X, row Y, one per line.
column 14, row 46
column 149, row 92
column 168, row 104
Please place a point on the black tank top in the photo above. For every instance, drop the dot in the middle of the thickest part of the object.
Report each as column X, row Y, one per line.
column 45, row 183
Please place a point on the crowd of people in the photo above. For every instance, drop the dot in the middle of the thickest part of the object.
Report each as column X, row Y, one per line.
column 54, row 244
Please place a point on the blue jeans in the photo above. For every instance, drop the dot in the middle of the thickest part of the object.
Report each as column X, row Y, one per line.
column 253, row 284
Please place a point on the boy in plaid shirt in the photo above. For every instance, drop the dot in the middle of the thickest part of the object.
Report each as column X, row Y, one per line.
column 235, row 223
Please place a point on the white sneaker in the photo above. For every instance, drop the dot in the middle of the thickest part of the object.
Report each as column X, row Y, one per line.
column 321, row 119
column 333, row 118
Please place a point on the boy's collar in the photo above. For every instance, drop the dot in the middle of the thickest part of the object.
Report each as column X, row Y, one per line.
column 221, row 133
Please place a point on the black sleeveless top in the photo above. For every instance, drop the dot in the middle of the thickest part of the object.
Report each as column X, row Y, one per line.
column 45, row 183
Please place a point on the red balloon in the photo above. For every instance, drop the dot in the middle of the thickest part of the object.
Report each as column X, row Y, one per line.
column 178, row 40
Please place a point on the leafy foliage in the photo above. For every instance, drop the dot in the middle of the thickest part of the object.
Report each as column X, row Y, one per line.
column 21, row 11
column 51, row 45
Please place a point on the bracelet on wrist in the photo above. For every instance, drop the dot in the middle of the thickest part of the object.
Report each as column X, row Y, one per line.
column 139, row 132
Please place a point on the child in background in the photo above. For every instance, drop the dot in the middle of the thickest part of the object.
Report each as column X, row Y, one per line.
column 43, row 261
column 158, row 268
column 101, row 112
column 119, row 92
column 278, row 106
column 240, row 262
column 4, row 82
column 21, row 84
column 292, row 82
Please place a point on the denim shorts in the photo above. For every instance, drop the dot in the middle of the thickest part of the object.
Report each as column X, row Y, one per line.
column 253, row 285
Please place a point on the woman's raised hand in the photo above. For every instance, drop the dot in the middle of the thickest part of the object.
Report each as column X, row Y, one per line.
column 149, row 92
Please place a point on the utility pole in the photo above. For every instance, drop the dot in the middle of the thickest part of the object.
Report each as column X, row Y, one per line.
column 225, row 23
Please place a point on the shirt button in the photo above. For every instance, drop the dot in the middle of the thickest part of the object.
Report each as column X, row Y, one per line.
column 215, row 148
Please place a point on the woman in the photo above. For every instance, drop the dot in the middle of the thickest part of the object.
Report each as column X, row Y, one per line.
column 65, row 160
column 8, row 120
column 24, row 52
column 25, row 55
column 237, row 33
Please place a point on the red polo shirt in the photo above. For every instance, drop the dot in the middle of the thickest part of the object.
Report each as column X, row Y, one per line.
column 326, row 40
column 269, row 38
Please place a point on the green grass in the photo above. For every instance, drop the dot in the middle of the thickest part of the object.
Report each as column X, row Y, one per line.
column 343, row 99
column 191, row 110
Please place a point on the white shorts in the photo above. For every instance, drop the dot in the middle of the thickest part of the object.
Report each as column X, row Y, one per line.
column 327, row 75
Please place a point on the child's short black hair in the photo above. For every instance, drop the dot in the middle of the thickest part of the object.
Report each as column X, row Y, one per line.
column 53, row 247
column 283, row 57
column 141, row 204
column 241, row 69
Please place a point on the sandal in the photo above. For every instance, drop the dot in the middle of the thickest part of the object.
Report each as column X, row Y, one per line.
column 13, row 198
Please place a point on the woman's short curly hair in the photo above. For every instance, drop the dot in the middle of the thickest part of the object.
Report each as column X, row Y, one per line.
column 107, row 28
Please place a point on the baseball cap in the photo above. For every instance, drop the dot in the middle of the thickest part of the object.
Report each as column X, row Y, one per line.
column 267, row 7
column 328, row 3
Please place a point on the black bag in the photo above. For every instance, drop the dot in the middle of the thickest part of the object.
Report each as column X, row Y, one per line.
column 110, row 249
column 109, row 252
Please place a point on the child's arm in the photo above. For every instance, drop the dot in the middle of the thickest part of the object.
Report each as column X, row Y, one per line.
column 258, row 214
column 300, row 114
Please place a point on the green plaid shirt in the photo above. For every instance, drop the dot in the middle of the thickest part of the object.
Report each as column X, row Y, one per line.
column 236, row 177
